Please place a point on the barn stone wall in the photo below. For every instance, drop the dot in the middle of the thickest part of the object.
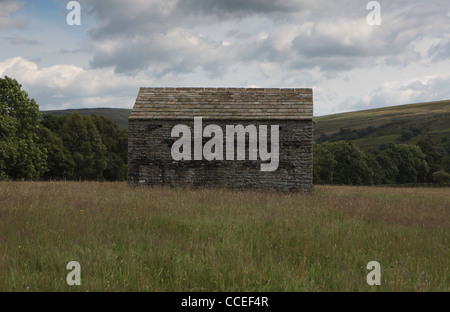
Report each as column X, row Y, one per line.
column 150, row 161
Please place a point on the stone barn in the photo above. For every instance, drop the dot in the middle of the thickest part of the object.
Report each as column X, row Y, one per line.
column 232, row 137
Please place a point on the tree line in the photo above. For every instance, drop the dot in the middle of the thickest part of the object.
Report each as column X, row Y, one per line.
column 42, row 147
column 343, row 163
column 74, row 147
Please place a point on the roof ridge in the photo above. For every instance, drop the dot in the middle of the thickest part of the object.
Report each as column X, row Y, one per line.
column 223, row 103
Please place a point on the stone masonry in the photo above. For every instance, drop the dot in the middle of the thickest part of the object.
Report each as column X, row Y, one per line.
column 158, row 110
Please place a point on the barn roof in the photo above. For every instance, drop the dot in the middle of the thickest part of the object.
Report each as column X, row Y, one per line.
column 223, row 103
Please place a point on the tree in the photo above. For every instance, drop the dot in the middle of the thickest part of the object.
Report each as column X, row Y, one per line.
column 60, row 163
column 116, row 143
column 92, row 147
column 441, row 177
column 377, row 170
column 446, row 164
column 433, row 157
column 82, row 146
column 324, row 164
column 341, row 163
column 322, row 138
column 407, row 135
column 384, row 171
column 84, row 143
column 409, row 161
column 352, row 168
column 21, row 157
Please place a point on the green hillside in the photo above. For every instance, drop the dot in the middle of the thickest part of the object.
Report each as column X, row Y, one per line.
column 367, row 129
column 120, row 115
column 395, row 124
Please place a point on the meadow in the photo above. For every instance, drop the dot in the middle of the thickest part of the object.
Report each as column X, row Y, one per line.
column 180, row 239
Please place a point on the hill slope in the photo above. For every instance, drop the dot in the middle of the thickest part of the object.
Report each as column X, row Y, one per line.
column 120, row 115
column 395, row 124
column 367, row 129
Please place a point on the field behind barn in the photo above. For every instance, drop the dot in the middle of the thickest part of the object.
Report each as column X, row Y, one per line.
column 162, row 239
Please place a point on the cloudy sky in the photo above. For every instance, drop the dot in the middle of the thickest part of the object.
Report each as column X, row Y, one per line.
column 329, row 46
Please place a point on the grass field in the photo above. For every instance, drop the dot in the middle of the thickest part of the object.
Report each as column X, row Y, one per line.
column 162, row 239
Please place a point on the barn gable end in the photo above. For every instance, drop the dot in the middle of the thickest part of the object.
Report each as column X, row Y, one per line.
column 158, row 110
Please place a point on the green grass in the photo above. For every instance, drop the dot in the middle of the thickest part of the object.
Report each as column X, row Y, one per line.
column 431, row 118
column 445, row 130
column 162, row 239
column 375, row 141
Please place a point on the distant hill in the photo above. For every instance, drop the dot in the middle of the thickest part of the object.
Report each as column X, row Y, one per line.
column 367, row 128
column 120, row 115
column 395, row 124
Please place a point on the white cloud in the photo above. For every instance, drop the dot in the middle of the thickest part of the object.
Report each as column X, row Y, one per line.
column 420, row 89
column 167, row 35
column 64, row 86
column 330, row 35
column 17, row 40
column 441, row 50
column 7, row 10
column 177, row 50
column 322, row 44
column 268, row 69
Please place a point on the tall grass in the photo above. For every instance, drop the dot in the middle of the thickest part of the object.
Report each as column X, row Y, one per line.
column 162, row 239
